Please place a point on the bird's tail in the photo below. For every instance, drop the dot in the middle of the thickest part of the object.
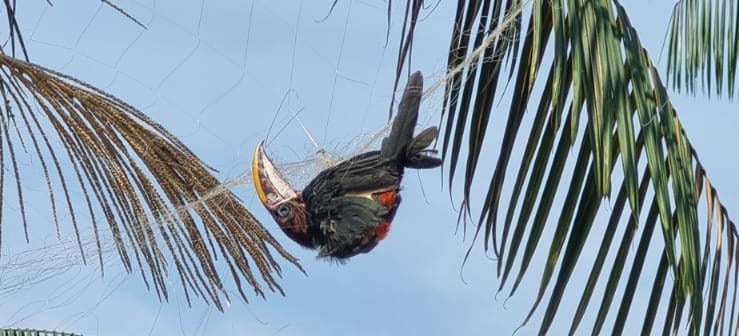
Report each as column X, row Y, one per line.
column 400, row 143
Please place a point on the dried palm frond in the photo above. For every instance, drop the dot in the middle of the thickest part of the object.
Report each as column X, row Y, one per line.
column 156, row 196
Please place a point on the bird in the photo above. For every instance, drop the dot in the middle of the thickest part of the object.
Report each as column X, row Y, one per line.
column 347, row 209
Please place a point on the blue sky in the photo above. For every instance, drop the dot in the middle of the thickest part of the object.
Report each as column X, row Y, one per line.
column 216, row 74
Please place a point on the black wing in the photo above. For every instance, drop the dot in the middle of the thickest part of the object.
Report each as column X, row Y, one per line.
column 362, row 173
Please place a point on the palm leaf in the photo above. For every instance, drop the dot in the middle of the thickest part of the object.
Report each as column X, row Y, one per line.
column 703, row 45
column 161, row 203
column 32, row 332
column 15, row 36
column 601, row 105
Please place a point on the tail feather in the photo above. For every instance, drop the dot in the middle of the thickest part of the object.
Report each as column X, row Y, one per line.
column 400, row 143
column 417, row 155
column 401, row 133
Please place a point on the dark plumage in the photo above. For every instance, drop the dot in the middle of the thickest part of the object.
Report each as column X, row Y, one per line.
column 347, row 209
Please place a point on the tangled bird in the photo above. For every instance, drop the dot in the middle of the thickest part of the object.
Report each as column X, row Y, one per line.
column 347, row 209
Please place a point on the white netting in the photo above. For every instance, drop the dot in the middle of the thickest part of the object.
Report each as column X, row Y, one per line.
column 221, row 76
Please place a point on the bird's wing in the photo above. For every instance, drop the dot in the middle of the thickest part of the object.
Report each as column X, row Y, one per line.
column 363, row 173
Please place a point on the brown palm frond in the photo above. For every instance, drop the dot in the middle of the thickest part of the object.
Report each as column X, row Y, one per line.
column 156, row 196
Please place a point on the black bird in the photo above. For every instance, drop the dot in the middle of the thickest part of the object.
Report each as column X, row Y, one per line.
column 347, row 209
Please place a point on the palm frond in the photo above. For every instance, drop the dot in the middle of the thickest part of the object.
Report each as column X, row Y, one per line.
column 32, row 332
column 124, row 13
column 703, row 45
column 601, row 104
column 15, row 37
column 161, row 203
column 405, row 47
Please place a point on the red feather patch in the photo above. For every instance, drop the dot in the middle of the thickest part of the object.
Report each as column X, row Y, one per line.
column 381, row 230
column 388, row 199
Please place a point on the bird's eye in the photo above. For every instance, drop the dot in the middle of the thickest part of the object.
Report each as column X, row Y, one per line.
column 283, row 210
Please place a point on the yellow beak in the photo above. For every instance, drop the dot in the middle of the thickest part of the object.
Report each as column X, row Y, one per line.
column 272, row 188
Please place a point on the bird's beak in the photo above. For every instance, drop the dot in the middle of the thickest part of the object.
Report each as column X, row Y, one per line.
column 272, row 188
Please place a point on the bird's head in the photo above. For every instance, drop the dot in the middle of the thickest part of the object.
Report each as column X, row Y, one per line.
column 282, row 201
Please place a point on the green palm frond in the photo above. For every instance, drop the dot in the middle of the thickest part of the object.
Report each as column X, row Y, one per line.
column 15, row 36
column 598, row 103
column 703, row 45
column 161, row 203
column 123, row 12
column 405, row 46
column 33, row 332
